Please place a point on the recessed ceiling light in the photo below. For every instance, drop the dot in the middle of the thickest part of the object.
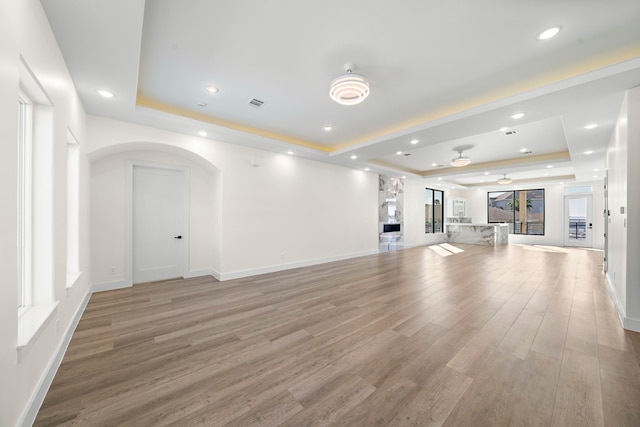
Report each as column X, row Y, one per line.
column 439, row 179
column 367, row 169
column 588, row 152
column 595, row 176
column 105, row 93
column 290, row 153
column 202, row 133
column 434, row 164
column 353, row 157
column 503, row 129
column 414, row 141
column 548, row 33
column 327, row 128
column 596, row 170
column 591, row 126
column 486, row 173
column 524, row 150
column 518, row 115
column 398, row 152
column 211, row 89
column 549, row 166
column 404, row 177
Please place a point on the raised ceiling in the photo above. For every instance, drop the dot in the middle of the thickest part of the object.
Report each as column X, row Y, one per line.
column 448, row 74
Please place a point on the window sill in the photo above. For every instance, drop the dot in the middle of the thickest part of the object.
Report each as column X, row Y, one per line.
column 31, row 322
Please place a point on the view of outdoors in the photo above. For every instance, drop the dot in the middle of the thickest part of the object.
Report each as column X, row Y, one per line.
column 433, row 211
column 578, row 219
column 523, row 210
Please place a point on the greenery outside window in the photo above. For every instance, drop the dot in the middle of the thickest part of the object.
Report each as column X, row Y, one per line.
column 433, row 211
column 523, row 210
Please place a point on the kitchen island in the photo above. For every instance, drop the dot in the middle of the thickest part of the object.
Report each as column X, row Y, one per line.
column 478, row 234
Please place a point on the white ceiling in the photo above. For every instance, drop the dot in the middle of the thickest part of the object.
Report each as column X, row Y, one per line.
column 449, row 74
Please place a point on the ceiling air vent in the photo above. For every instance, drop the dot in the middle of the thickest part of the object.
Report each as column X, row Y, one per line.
column 256, row 103
column 510, row 132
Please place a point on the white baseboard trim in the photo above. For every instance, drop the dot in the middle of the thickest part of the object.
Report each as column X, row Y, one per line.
column 615, row 300
column 31, row 412
column 109, row 286
column 626, row 322
column 216, row 274
column 281, row 267
column 197, row 273
column 631, row 324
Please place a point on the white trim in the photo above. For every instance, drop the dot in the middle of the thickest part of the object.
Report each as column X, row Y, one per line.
column 281, row 267
column 198, row 273
column 216, row 275
column 186, row 213
column 110, row 286
column 31, row 322
column 626, row 322
column 565, row 239
column 631, row 324
column 35, row 402
column 614, row 299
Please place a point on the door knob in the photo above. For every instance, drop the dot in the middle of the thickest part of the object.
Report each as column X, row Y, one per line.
column 178, row 237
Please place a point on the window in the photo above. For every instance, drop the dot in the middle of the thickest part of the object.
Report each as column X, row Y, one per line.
column 73, row 209
column 523, row 210
column 24, row 201
column 433, row 211
column 34, row 208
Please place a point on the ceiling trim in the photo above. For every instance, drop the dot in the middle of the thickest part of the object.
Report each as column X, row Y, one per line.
column 596, row 68
column 142, row 101
column 525, row 181
column 560, row 156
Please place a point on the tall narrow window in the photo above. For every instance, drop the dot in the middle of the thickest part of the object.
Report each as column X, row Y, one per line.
column 34, row 207
column 73, row 207
column 433, row 211
column 24, row 200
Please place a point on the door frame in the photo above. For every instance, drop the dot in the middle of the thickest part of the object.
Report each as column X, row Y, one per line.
column 131, row 164
column 565, row 218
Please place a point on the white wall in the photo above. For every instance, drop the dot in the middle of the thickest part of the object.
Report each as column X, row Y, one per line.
column 110, row 212
column 25, row 32
column 624, row 204
column 414, row 197
column 285, row 213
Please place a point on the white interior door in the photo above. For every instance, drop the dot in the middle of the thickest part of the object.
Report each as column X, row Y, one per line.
column 578, row 221
column 158, row 224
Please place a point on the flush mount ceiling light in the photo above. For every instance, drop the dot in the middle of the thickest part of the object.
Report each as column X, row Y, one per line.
column 504, row 180
column 548, row 33
column 591, row 126
column 105, row 93
column 349, row 88
column 460, row 160
column 517, row 115
column 211, row 89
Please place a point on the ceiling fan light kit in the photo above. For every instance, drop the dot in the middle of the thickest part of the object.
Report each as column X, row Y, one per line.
column 504, row 180
column 349, row 88
column 460, row 160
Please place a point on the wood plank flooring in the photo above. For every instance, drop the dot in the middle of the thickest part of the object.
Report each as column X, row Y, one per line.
column 502, row 336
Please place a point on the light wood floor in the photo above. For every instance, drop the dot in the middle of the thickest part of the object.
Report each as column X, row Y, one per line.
column 508, row 336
